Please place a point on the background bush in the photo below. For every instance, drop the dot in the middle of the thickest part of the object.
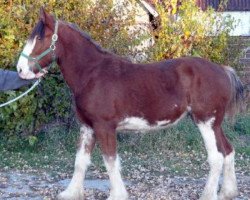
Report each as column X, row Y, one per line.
column 181, row 31
column 186, row 30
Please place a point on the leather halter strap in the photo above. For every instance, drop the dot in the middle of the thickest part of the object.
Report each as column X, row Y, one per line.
column 51, row 49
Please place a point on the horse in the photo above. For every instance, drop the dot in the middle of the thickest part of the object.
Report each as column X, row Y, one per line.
column 114, row 94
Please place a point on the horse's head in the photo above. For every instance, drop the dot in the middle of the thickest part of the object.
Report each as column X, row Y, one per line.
column 39, row 52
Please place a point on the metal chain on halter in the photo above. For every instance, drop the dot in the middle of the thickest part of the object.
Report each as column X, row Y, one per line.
column 53, row 45
column 53, row 63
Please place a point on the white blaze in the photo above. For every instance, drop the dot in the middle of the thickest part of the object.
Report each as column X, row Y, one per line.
column 23, row 63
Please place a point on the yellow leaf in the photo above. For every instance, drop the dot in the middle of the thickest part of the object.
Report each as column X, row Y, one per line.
column 187, row 33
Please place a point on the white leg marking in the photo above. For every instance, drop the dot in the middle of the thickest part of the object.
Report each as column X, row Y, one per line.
column 215, row 159
column 229, row 186
column 23, row 63
column 75, row 189
column 118, row 191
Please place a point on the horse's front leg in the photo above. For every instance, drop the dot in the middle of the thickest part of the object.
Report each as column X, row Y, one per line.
column 86, row 144
column 106, row 136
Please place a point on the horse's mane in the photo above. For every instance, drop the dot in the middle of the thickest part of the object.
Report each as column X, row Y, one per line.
column 87, row 37
column 98, row 47
column 40, row 31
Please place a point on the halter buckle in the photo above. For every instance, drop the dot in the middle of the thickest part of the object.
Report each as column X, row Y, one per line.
column 54, row 37
column 52, row 47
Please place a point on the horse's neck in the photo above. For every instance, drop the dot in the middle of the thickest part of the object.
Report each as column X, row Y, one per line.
column 76, row 60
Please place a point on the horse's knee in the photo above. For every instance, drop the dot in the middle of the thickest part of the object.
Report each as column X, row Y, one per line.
column 215, row 160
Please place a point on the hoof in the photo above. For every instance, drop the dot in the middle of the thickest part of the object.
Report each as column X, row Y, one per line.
column 209, row 197
column 228, row 195
column 71, row 195
column 122, row 196
column 117, row 198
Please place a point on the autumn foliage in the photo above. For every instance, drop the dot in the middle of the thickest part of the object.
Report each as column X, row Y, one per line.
column 185, row 30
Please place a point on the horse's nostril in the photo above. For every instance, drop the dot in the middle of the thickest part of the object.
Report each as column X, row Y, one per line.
column 19, row 71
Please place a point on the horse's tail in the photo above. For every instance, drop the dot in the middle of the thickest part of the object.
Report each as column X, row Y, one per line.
column 237, row 101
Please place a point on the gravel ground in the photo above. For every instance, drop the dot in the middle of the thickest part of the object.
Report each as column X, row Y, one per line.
column 18, row 185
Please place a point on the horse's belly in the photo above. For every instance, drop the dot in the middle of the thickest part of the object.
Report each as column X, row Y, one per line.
column 142, row 125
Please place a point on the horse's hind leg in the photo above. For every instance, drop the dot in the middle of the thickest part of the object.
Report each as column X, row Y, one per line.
column 106, row 137
column 229, row 186
column 75, row 189
column 215, row 159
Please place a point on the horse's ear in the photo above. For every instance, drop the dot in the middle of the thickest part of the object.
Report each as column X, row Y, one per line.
column 43, row 14
column 46, row 18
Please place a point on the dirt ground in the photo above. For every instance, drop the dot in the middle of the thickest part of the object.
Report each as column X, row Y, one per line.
column 18, row 185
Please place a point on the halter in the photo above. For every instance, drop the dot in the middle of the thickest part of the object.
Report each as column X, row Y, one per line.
column 52, row 48
column 37, row 65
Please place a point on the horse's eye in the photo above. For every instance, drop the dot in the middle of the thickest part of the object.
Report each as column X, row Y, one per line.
column 39, row 38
